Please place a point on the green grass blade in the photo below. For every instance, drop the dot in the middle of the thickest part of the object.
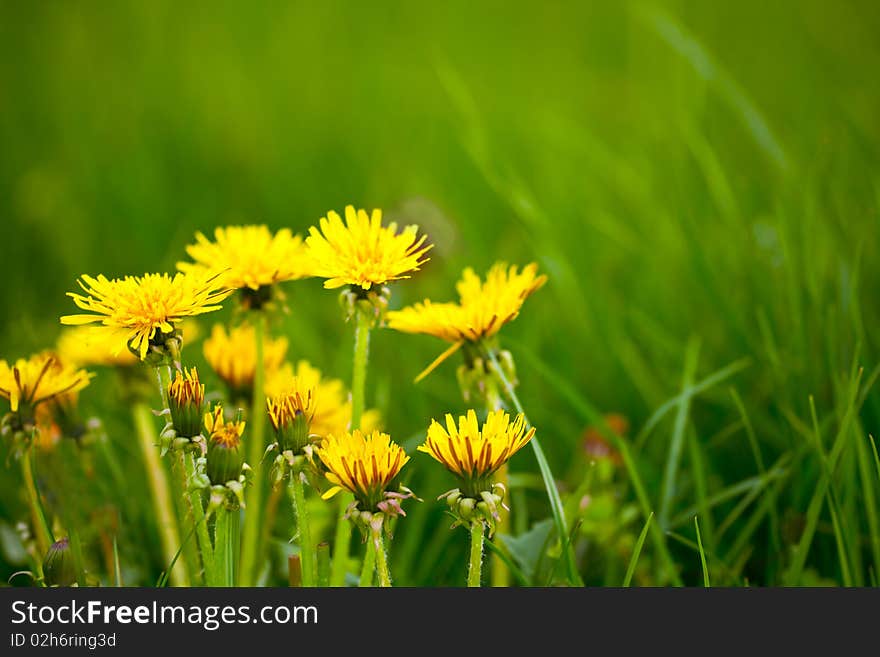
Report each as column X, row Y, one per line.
column 814, row 508
column 702, row 554
column 637, row 550
column 701, row 386
column 556, row 506
column 869, row 497
column 117, row 571
column 749, row 485
column 876, row 456
column 701, row 485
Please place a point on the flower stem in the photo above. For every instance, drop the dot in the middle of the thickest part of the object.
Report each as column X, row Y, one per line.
column 546, row 474
column 42, row 530
column 159, row 491
column 252, row 526
column 358, row 393
column 323, row 564
column 381, row 558
column 475, row 567
column 186, row 516
column 359, row 372
column 203, row 536
column 163, row 376
column 306, row 549
column 224, row 544
column 369, row 566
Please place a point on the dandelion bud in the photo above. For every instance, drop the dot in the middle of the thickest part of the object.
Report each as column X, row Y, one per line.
column 58, row 566
column 186, row 396
column 225, row 450
column 291, row 416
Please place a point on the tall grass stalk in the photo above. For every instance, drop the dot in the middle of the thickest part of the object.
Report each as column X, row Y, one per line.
column 549, row 482
column 160, row 491
column 42, row 529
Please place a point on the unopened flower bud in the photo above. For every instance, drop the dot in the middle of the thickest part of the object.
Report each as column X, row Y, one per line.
column 58, row 566
column 291, row 416
column 186, row 398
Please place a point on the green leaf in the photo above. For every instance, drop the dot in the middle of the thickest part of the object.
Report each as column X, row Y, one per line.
column 527, row 549
column 637, row 550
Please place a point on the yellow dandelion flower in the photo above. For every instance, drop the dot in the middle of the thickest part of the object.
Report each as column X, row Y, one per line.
column 364, row 464
column 474, row 454
column 221, row 431
column 41, row 378
column 144, row 310
column 92, row 345
column 225, row 454
column 362, row 252
column 483, row 308
column 48, row 433
column 247, row 257
column 233, row 355
column 332, row 406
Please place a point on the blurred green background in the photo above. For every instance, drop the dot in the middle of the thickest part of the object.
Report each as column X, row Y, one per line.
column 699, row 179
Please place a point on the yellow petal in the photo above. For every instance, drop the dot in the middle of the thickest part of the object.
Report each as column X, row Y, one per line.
column 331, row 492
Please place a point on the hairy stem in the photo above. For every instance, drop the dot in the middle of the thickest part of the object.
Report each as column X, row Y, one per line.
column 475, row 566
column 203, row 536
column 369, row 566
column 358, row 393
column 381, row 558
column 306, row 549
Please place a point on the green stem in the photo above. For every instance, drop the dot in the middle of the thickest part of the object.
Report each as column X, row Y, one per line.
column 186, row 516
column 549, row 482
column 476, row 561
column 323, row 564
column 381, row 558
column 42, row 530
column 203, row 536
column 252, row 526
column 369, row 566
column 359, row 372
column 358, row 393
column 160, row 493
column 306, row 549
column 224, row 553
column 163, row 376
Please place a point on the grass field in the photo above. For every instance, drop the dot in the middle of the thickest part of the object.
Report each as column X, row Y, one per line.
column 699, row 180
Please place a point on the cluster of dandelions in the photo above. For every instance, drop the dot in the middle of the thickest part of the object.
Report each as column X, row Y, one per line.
column 324, row 442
